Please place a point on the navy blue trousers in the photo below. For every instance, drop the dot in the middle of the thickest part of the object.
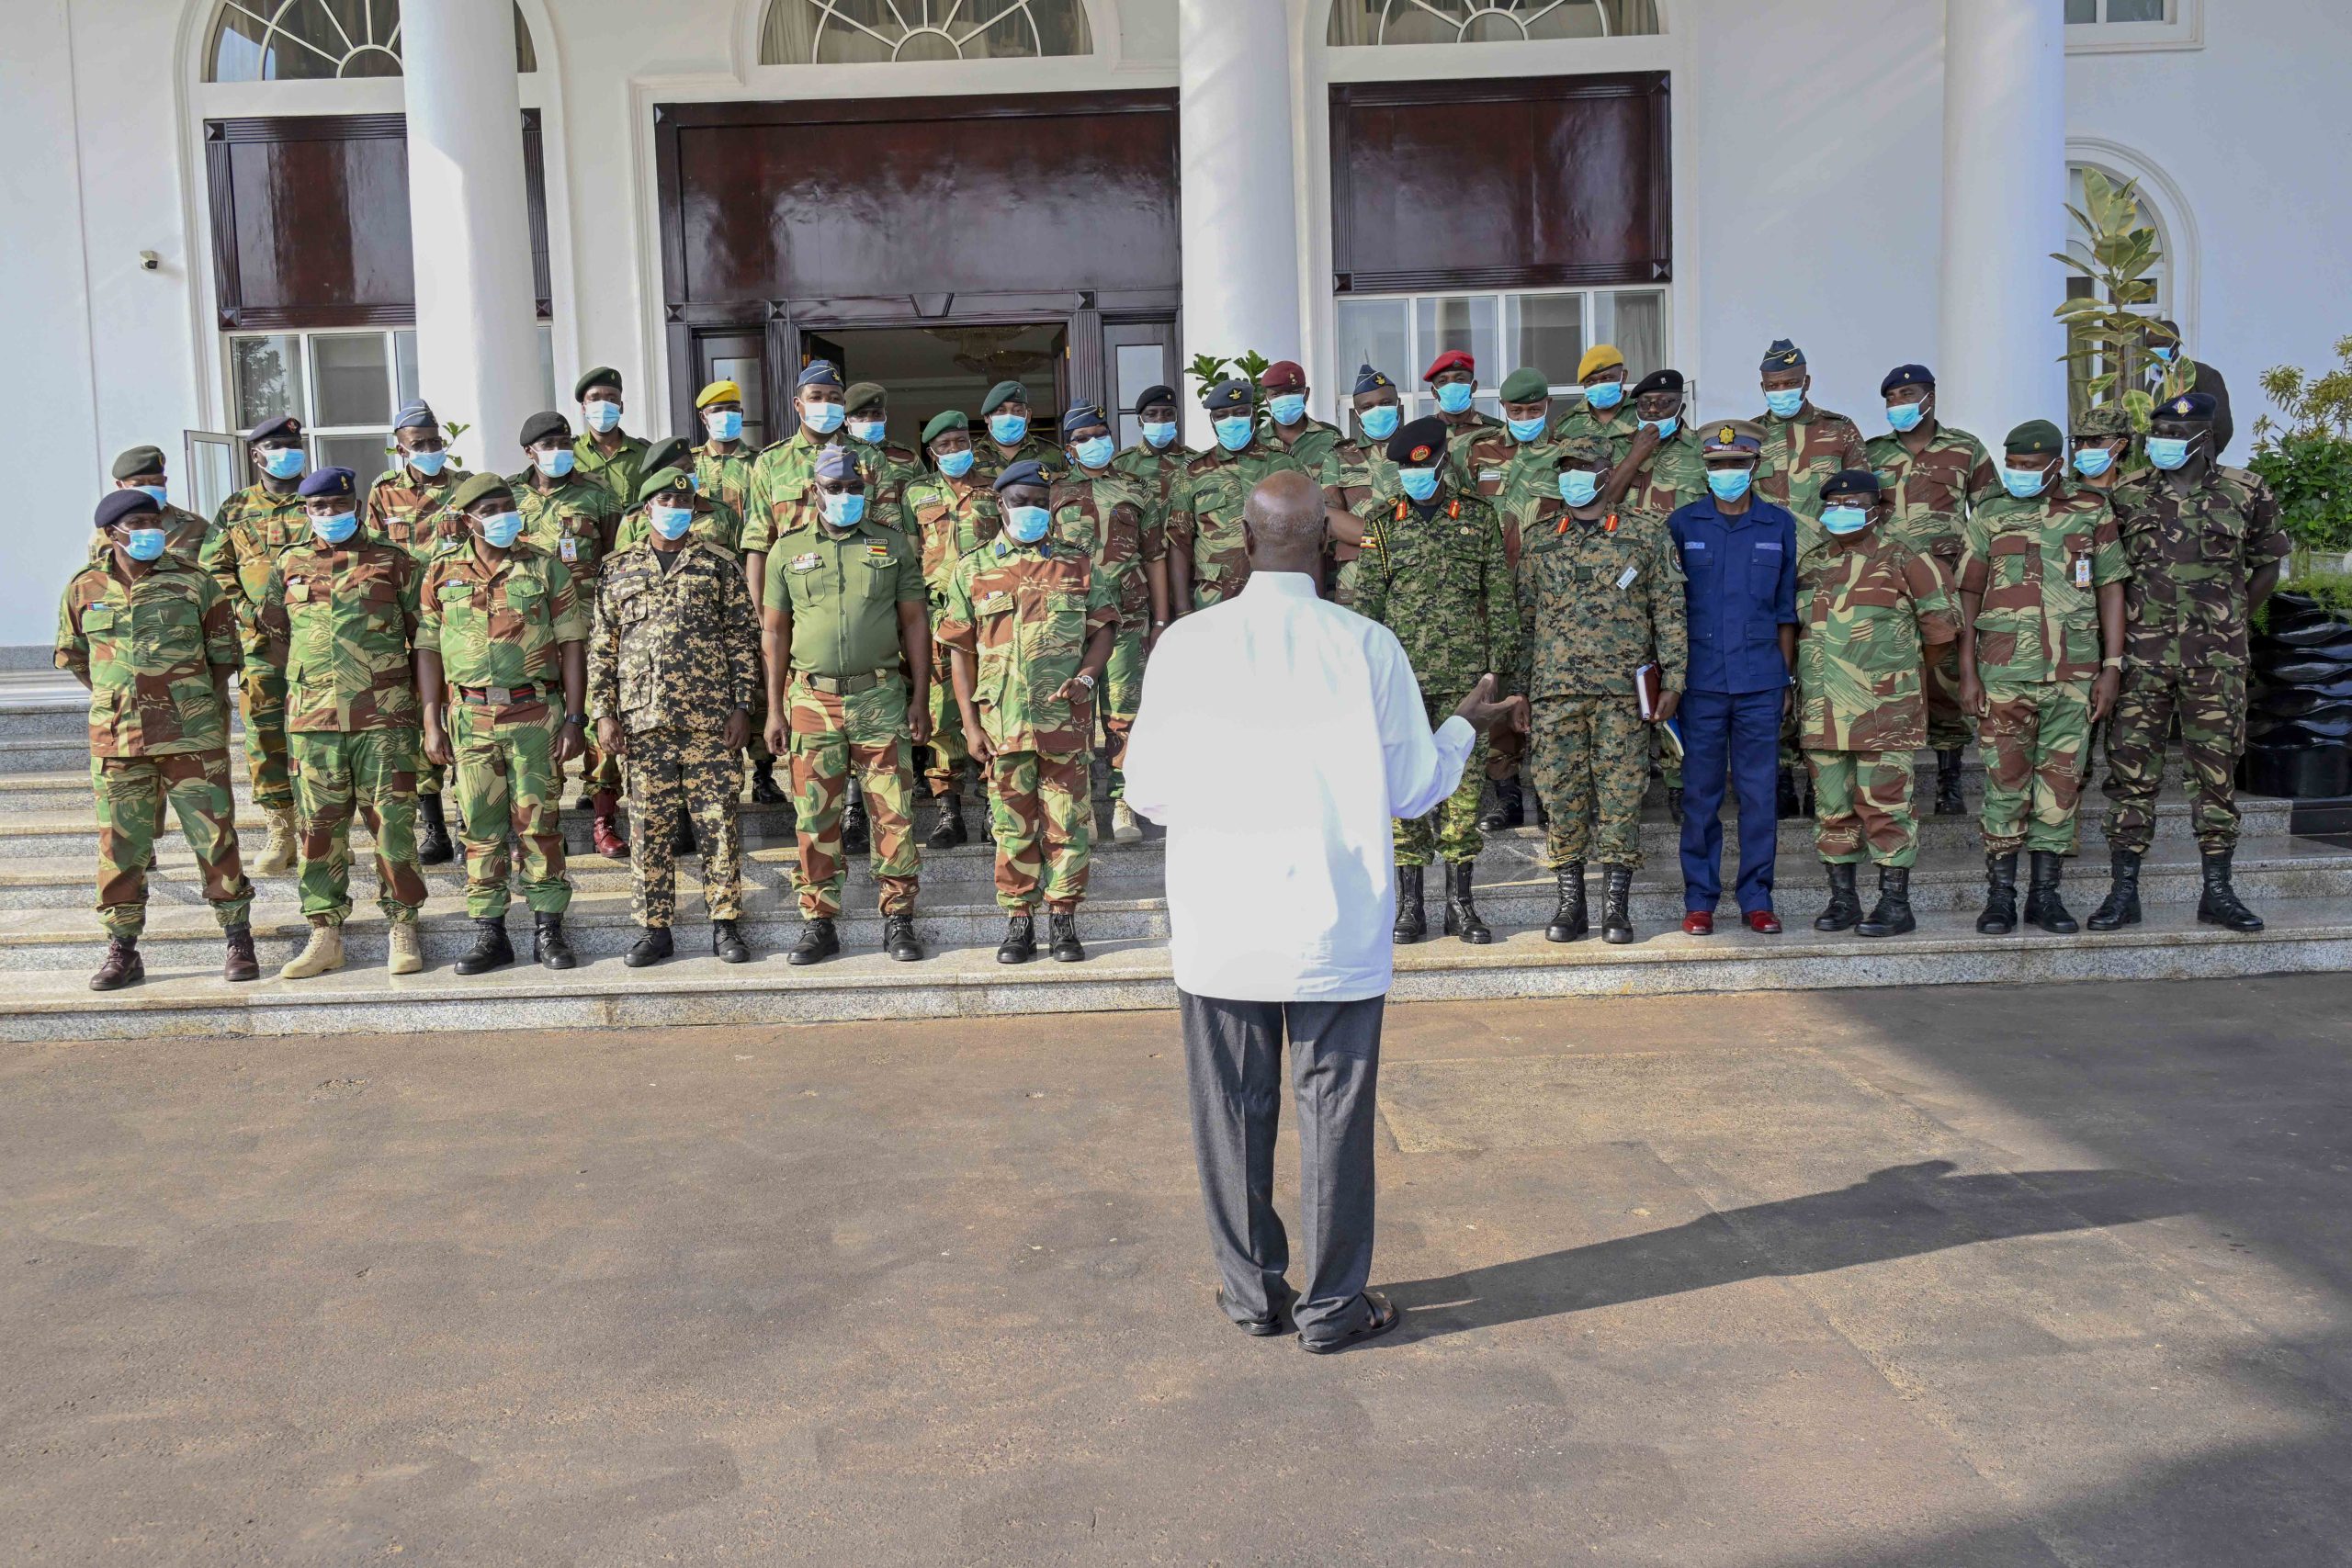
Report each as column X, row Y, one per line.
column 1738, row 735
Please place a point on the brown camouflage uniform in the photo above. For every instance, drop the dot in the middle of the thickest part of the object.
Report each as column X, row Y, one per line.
column 1105, row 514
column 952, row 518
column 1204, row 515
column 251, row 528
column 575, row 520
column 1934, row 491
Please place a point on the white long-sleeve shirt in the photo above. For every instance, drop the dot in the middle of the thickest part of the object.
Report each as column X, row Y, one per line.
column 1277, row 736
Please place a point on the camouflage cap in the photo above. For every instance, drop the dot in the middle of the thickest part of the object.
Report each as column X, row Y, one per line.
column 474, row 491
column 945, row 420
column 2103, row 422
column 1584, row 451
column 1525, row 384
column 665, row 479
column 2035, row 437
column 865, row 395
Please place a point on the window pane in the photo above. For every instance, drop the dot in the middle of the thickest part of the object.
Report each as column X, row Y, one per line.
column 366, row 455
column 404, row 363
column 1458, row 321
column 745, row 372
column 1135, row 365
column 354, row 383
column 2136, row 10
column 2082, row 10
column 266, row 375
column 1547, row 335
column 1634, row 319
column 1372, row 331
column 214, row 461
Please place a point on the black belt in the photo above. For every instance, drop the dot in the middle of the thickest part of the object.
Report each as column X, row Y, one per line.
column 846, row 685
column 501, row 694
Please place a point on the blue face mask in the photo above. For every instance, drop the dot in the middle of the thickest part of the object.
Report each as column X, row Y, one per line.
column 2164, row 355
column 727, row 424
column 955, row 465
column 1665, row 427
column 1786, row 401
column 1729, row 484
column 2024, row 482
column 602, row 415
column 822, row 418
column 1233, row 433
column 1901, row 417
column 1094, row 452
column 1454, row 397
column 1604, row 394
column 669, row 522
column 162, row 497
column 144, row 544
column 844, row 511
column 555, row 464
column 282, row 462
column 502, row 530
column 2168, row 452
column 1008, row 428
column 1420, row 483
column 1844, row 519
column 1379, row 422
column 428, row 463
column 335, row 527
column 1577, row 487
column 2092, row 461
column 1027, row 524
column 870, row 431
column 1525, row 430
column 1288, row 409
column 1161, row 437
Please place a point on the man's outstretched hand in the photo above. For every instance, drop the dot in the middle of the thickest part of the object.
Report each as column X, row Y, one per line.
column 1483, row 710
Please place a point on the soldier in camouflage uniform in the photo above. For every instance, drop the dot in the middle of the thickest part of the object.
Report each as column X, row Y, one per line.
column 141, row 468
column 1453, row 381
column 1937, row 476
column 409, row 506
column 2204, row 547
column 1357, row 473
column 1156, row 462
column 846, row 631
column 1290, row 427
column 1600, row 595
column 605, row 453
column 1605, row 413
column 247, row 532
column 1012, row 436
column 2042, row 657
column 723, row 464
column 1433, row 572
column 671, row 680
column 952, row 513
column 1867, row 608
column 153, row 639
column 781, row 475
column 1096, row 504
column 499, row 624
column 1663, row 470
column 1208, row 555
column 339, row 617
column 888, row 468
column 2100, row 440
column 1029, row 625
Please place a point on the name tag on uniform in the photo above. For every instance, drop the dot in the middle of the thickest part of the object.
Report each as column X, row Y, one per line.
column 1490, row 476
column 1690, row 545
column 1626, row 578
column 993, row 602
column 804, row 563
column 1767, row 546
column 568, row 548
column 2082, row 571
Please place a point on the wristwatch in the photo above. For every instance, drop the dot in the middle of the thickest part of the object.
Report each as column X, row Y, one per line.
column 1088, row 678
column 2114, row 663
column 579, row 718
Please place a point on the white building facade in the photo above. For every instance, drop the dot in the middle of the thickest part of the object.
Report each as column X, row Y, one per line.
column 216, row 208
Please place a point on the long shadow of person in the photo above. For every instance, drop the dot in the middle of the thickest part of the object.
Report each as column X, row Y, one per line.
column 1900, row 1212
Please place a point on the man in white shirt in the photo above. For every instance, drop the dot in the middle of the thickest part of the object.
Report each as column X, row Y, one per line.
column 1278, row 738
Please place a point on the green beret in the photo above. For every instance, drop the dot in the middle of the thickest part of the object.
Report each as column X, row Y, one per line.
column 669, row 452
column 2107, row 421
column 944, row 422
column 602, row 376
column 1000, row 394
column 1581, row 451
column 863, row 395
column 1525, row 386
column 139, row 460
column 2036, row 438
column 663, row 478
column 474, row 488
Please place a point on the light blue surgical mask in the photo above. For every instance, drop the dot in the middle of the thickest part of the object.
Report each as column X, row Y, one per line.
column 1578, row 486
column 1233, row 433
column 428, row 463
column 2024, row 482
column 1901, row 417
column 1161, row 437
column 822, row 418
column 2165, row 355
column 955, row 465
column 335, row 526
column 1604, row 394
column 1844, row 519
column 602, row 415
column 2092, row 461
column 555, row 464
column 870, row 431
column 1095, row 451
column 1008, row 428
column 1379, row 422
column 1027, row 524
column 502, row 530
column 727, row 424
column 144, row 544
column 281, row 462
column 1786, row 401
column 2168, row 452
column 1526, row 429
column 844, row 511
column 1420, row 483
column 1289, row 408
column 1665, row 427
column 162, row 497
column 1454, row 397
column 669, row 522
column 1729, row 484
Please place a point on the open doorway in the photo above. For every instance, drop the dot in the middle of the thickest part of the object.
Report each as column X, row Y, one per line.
column 930, row 368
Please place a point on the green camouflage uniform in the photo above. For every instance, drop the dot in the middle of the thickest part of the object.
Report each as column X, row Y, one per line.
column 889, row 468
column 1934, row 492
column 1155, row 473
column 724, row 479
column 1354, row 475
column 340, row 621
column 1800, row 456
column 1024, row 615
column 952, row 518
column 184, row 535
column 153, row 651
column 1674, row 476
column 2039, row 564
column 616, row 474
column 1612, row 427
column 2184, row 644
column 1106, row 514
column 1597, row 600
column 1312, row 444
column 247, row 534
column 716, row 522
column 1515, row 478
column 846, row 702
column 1863, row 615
column 413, row 514
column 670, row 660
column 1437, row 577
column 499, row 626
column 571, row 519
column 1204, row 515
column 780, row 478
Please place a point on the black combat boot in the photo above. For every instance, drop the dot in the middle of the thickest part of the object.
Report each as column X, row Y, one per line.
column 1674, row 802
column 1891, row 916
column 948, row 832
column 2120, row 907
column 1948, row 801
column 654, row 946
column 2219, row 905
column 899, row 939
column 1616, row 904
column 1020, row 943
column 1784, row 785
column 2000, row 916
column 1067, row 948
column 766, row 791
column 238, row 961
column 727, row 942
column 548, row 945
column 817, row 941
column 682, row 837
column 1509, row 809
column 854, row 834
column 1569, row 921
column 432, row 846
column 1412, row 923
column 122, row 965
column 2043, row 906
column 490, row 949
column 1461, row 913
column 1845, row 910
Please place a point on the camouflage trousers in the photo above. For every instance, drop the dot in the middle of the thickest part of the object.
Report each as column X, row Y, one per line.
column 1939, row 679
column 1450, row 828
column 261, row 698
column 832, row 736
column 1506, row 749
column 949, row 754
column 758, row 749
column 129, row 792
column 674, row 774
column 1122, row 695
column 372, row 773
column 1043, row 805
column 508, row 782
column 1862, row 807
column 430, row 776
column 1590, row 758
column 598, row 772
column 2032, row 738
column 2210, row 705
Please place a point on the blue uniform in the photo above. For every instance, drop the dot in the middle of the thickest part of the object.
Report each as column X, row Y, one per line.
column 1741, row 576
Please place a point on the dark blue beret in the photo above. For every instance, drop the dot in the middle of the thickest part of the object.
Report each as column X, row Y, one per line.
column 1850, row 482
column 1228, row 395
column 416, row 415
column 118, row 504
column 819, row 373
column 2189, row 405
column 836, row 462
column 1079, row 416
column 328, row 482
column 1151, row 395
column 1783, row 356
column 1025, row 472
column 1370, row 380
column 284, row 424
column 1419, row 443
column 1907, row 376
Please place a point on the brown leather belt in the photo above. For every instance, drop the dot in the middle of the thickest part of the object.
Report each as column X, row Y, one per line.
column 500, row 695
column 845, row 685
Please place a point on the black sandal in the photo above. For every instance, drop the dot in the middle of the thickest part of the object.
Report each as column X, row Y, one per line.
column 1258, row 1327
column 1381, row 1316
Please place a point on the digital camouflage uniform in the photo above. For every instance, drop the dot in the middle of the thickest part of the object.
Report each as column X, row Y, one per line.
column 572, row 520
column 952, row 518
column 152, row 651
column 716, row 522
column 1437, row 579
column 846, row 702
column 1024, row 615
column 1933, row 493
column 670, row 660
column 247, row 534
column 413, row 514
column 342, row 619
column 616, row 474
column 1863, row 615
column 1354, row 477
column 498, row 628
column 1105, row 514
column 2184, row 644
column 889, row 468
column 1204, row 515
column 1597, row 600
column 2038, row 563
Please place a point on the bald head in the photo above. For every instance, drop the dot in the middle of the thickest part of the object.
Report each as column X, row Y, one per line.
column 1285, row 514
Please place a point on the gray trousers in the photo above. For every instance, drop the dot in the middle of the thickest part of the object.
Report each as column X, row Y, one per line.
column 1233, row 1061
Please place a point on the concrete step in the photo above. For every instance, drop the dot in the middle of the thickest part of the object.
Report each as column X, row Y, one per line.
column 2303, row 936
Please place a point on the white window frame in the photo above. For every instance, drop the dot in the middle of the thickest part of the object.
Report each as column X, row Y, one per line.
column 2184, row 29
column 1417, row 399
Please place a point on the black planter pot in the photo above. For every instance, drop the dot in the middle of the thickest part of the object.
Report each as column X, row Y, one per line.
column 2299, row 716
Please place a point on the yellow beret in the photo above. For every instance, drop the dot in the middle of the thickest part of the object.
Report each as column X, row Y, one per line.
column 1599, row 356
column 718, row 392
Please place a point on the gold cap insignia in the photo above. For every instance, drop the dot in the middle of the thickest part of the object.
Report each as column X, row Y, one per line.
column 1727, row 434
column 2181, row 406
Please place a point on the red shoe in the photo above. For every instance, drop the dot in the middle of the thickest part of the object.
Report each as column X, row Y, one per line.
column 1698, row 922
column 1763, row 922
column 609, row 841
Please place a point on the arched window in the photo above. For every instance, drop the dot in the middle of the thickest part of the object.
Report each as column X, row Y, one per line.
column 276, row 40
column 1485, row 21
column 862, row 32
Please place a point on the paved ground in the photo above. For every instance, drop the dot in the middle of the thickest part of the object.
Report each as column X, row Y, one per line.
column 1939, row 1277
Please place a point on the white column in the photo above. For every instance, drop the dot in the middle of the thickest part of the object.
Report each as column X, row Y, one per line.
column 478, row 352
column 2005, row 192
column 1240, row 216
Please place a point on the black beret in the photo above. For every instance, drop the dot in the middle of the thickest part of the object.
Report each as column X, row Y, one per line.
column 1151, row 395
column 2189, row 405
column 118, row 504
column 1419, row 443
column 945, row 420
column 1906, row 375
column 1023, row 473
column 1004, row 393
column 1079, row 416
column 1659, row 381
column 1850, row 482
column 540, row 426
column 475, row 489
column 1783, row 356
column 139, row 460
column 284, row 424
column 1227, row 395
column 669, row 452
column 327, row 484
column 2036, row 438
column 602, row 376
column 1370, row 380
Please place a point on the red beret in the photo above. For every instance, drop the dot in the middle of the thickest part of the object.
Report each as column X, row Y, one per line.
column 1452, row 359
column 1282, row 376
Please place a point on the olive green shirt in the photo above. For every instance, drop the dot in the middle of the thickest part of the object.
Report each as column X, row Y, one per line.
column 843, row 591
